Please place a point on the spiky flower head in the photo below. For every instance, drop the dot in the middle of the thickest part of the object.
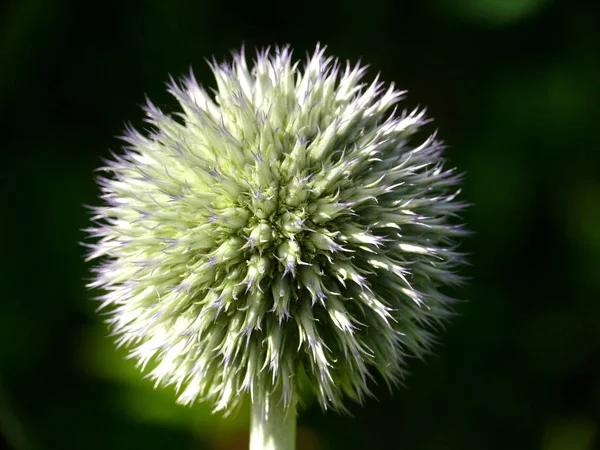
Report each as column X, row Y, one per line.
column 288, row 235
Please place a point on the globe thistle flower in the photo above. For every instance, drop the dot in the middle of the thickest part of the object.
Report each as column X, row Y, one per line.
column 284, row 238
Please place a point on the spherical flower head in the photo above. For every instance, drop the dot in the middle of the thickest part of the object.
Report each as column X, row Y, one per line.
column 287, row 236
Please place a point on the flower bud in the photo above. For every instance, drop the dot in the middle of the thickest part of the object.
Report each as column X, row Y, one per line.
column 294, row 227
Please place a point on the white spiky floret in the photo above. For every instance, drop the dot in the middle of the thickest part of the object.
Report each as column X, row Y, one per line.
column 284, row 235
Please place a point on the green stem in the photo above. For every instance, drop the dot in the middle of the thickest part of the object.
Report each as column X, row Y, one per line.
column 271, row 427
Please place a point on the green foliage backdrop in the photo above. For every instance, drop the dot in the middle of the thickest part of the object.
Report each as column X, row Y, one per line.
column 514, row 87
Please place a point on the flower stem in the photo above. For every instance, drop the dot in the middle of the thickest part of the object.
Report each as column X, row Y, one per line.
column 271, row 426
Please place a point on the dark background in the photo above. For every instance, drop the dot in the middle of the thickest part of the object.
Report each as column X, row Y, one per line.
column 514, row 88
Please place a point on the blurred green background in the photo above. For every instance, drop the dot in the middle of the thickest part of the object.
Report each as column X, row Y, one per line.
column 514, row 88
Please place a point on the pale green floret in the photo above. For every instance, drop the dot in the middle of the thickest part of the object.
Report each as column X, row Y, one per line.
column 285, row 236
